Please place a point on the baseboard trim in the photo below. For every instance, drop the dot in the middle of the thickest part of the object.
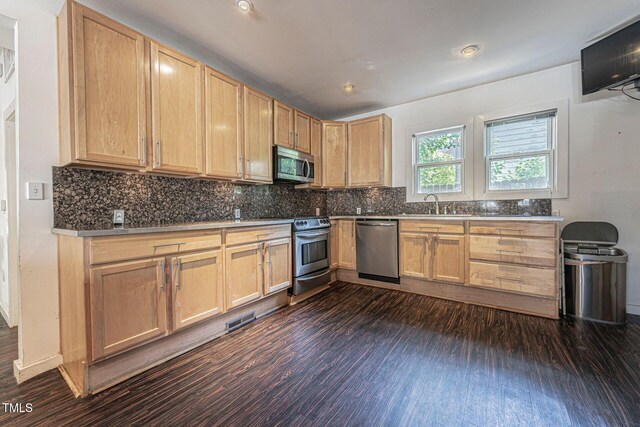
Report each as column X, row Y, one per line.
column 633, row 309
column 24, row 373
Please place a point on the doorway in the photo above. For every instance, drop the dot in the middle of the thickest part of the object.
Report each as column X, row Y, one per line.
column 8, row 176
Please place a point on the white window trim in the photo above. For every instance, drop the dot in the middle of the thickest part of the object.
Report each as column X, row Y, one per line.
column 559, row 157
column 467, row 160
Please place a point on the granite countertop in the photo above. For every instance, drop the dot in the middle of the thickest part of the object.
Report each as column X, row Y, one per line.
column 528, row 218
column 158, row 228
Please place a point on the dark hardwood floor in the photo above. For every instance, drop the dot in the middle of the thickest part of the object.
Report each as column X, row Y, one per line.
column 363, row 356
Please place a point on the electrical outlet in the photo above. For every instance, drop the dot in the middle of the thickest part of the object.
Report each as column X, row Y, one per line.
column 524, row 202
column 236, row 213
column 35, row 191
column 555, row 212
column 317, row 211
column 358, row 211
column 118, row 217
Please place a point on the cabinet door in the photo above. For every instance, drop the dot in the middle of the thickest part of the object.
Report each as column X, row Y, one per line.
column 316, row 151
column 176, row 111
column 283, row 125
column 334, row 244
column 347, row 251
column 257, row 136
column 223, row 126
column 128, row 305
column 277, row 265
column 109, row 91
column 448, row 258
column 243, row 267
column 302, row 132
column 365, row 152
column 334, row 154
column 414, row 255
column 197, row 281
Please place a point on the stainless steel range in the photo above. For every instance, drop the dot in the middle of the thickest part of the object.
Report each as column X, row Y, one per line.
column 310, row 253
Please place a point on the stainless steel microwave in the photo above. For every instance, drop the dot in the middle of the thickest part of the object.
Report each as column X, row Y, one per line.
column 291, row 165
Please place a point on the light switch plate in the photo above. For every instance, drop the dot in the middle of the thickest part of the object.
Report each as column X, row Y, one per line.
column 35, row 191
column 358, row 211
column 317, row 211
column 118, row 217
column 236, row 213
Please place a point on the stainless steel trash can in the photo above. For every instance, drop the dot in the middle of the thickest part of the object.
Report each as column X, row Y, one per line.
column 595, row 272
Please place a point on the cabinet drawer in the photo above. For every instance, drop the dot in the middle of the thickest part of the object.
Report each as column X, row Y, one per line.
column 542, row 252
column 534, row 281
column 257, row 234
column 513, row 229
column 417, row 226
column 119, row 248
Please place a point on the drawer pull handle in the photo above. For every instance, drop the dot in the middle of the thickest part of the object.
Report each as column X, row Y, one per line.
column 264, row 234
column 510, row 279
column 169, row 244
column 164, row 277
column 511, row 252
column 179, row 271
column 510, row 229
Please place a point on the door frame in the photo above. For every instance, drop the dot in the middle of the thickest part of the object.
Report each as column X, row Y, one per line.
column 9, row 168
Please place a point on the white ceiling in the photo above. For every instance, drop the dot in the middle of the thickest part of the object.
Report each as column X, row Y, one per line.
column 393, row 51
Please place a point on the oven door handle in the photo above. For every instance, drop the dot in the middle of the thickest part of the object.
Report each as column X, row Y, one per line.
column 314, row 276
column 310, row 236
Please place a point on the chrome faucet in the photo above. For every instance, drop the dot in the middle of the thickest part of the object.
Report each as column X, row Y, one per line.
column 426, row 198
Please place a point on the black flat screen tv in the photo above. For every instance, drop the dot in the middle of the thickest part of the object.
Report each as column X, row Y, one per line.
column 612, row 61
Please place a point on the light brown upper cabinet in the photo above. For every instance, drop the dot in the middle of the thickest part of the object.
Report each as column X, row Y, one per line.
column 102, row 90
column 258, row 133
column 316, row 151
column 176, row 111
column 334, row 154
column 369, row 152
column 283, row 124
column 223, row 120
column 302, row 132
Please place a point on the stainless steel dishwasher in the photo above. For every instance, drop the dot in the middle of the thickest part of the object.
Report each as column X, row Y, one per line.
column 377, row 250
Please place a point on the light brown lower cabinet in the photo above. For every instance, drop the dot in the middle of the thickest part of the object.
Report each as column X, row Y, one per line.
column 347, row 244
column 448, row 258
column 438, row 257
column 334, row 244
column 244, row 274
column 197, row 285
column 414, row 255
column 277, row 265
column 123, row 297
column 128, row 305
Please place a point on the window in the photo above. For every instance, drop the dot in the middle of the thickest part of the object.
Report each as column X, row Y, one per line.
column 519, row 152
column 439, row 161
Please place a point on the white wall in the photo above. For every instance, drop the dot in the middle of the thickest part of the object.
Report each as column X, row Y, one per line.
column 604, row 152
column 37, row 134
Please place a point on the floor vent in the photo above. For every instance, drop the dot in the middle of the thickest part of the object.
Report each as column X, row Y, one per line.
column 241, row 321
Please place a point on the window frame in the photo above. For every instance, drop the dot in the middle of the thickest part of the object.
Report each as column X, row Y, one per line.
column 466, row 161
column 557, row 167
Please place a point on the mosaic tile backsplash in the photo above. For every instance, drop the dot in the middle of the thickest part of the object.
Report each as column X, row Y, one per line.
column 392, row 201
column 85, row 199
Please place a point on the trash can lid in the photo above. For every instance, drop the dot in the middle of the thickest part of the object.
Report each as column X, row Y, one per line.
column 590, row 233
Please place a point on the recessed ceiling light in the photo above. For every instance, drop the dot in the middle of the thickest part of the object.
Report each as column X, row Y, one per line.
column 469, row 51
column 244, row 5
column 348, row 88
